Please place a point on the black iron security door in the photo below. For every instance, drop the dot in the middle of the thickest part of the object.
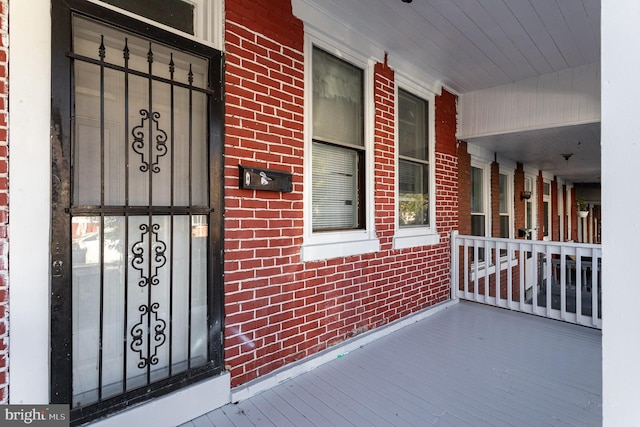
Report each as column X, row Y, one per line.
column 136, row 211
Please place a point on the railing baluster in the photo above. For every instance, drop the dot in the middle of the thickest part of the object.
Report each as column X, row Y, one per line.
column 455, row 280
column 522, row 275
column 579, row 286
column 487, row 266
column 496, row 253
column 563, row 283
column 549, row 281
column 465, row 268
column 509, row 276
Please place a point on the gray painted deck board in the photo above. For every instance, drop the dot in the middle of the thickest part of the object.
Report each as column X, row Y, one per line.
column 469, row 365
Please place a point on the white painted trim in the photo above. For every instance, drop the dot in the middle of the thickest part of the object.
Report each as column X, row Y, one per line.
column 29, row 210
column 486, row 191
column 175, row 408
column 272, row 379
column 414, row 240
column 334, row 249
column 480, row 153
column 319, row 25
column 547, row 176
column 324, row 245
column 533, row 180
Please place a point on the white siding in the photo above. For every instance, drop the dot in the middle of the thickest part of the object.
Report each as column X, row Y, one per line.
column 568, row 97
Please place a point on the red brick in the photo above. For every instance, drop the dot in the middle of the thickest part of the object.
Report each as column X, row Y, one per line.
column 312, row 305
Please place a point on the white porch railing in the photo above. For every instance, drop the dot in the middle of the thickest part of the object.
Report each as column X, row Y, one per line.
column 559, row 280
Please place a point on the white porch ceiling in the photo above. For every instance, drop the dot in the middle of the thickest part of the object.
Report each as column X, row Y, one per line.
column 471, row 45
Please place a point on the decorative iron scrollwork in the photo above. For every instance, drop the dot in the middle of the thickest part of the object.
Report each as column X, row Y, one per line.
column 155, row 334
column 149, row 270
column 138, row 133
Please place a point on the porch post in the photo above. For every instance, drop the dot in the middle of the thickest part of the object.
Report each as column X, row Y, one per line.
column 620, row 24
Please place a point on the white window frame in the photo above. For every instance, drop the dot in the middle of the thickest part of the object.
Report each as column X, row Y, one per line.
column 549, row 200
column 332, row 244
column 486, row 193
column 569, row 207
column 208, row 21
column 531, row 184
column 510, row 198
column 408, row 237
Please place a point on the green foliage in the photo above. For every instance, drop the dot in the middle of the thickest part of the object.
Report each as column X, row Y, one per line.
column 413, row 208
column 582, row 205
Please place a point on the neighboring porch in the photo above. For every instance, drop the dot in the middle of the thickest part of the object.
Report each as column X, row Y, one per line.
column 467, row 365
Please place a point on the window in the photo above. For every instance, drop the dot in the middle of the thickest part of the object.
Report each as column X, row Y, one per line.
column 338, row 154
column 505, row 206
column 546, row 203
column 413, row 161
column 505, row 198
column 415, row 223
column 529, row 207
column 181, row 17
column 478, row 203
column 201, row 20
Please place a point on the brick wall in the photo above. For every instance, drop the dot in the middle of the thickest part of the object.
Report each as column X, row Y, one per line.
column 574, row 215
column 4, row 203
column 464, row 189
column 555, row 218
column 277, row 308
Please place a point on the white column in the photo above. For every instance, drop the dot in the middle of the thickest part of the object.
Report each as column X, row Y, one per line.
column 29, row 206
column 620, row 229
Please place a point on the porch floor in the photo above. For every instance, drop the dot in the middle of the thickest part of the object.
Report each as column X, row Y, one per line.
column 468, row 365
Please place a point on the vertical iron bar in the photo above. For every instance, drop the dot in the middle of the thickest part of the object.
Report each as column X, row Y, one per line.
column 126, row 216
column 171, row 228
column 101, row 54
column 190, row 77
column 150, row 172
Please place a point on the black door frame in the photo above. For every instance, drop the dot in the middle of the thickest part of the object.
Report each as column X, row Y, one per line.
column 62, row 191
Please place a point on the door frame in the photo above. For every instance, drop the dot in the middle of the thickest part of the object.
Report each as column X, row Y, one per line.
column 61, row 199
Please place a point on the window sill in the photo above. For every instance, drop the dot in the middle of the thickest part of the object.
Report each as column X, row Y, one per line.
column 321, row 250
column 404, row 240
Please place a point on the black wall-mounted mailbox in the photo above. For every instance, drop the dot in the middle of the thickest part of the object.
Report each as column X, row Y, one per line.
column 252, row 178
